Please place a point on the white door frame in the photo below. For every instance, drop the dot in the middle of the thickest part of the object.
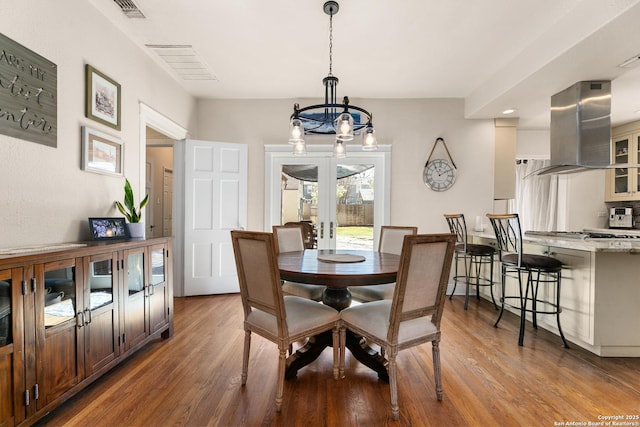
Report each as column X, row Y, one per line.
column 275, row 155
column 153, row 119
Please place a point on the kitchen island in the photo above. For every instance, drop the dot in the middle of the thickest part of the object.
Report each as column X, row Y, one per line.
column 600, row 294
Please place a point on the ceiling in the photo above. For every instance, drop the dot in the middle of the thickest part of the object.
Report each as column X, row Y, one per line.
column 495, row 54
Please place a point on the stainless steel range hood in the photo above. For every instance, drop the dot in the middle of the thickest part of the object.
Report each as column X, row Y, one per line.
column 580, row 128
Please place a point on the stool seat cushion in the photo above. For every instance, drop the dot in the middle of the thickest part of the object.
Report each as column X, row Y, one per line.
column 473, row 249
column 533, row 261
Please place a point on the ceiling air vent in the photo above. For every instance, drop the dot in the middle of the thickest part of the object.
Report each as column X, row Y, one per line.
column 129, row 8
column 184, row 61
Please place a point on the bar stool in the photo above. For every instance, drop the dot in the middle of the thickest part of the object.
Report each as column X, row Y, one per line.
column 539, row 269
column 474, row 257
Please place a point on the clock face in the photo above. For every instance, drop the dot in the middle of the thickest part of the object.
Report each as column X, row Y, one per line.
column 439, row 175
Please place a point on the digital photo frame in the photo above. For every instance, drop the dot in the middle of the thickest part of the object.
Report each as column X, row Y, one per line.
column 108, row 228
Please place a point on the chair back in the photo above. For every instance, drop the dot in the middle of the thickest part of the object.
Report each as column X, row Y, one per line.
column 458, row 226
column 289, row 238
column 508, row 234
column 391, row 238
column 308, row 233
column 258, row 274
column 421, row 284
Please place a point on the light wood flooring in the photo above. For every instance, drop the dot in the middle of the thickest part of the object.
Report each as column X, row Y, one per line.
column 193, row 379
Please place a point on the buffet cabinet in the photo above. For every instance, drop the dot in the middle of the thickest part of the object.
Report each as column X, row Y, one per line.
column 68, row 316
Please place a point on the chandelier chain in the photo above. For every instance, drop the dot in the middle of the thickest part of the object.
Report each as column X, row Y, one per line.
column 331, row 44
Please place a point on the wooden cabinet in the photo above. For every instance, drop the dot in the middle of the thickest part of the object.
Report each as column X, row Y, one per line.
column 67, row 317
column 12, row 407
column 623, row 183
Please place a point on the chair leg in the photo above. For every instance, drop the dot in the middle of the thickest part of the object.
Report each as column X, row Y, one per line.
column 282, row 359
column 343, row 341
column 491, row 281
column 504, row 277
column 523, row 306
column 393, row 385
column 435, row 349
column 467, row 268
column 336, row 352
column 534, row 301
column 558, row 311
column 455, row 276
column 245, row 356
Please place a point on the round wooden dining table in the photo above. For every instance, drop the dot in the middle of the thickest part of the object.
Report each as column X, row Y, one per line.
column 338, row 270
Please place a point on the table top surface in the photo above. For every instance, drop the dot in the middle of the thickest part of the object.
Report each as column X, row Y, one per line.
column 305, row 267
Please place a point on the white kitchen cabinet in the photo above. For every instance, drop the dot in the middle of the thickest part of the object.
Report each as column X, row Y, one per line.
column 576, row 294
column 623, row 183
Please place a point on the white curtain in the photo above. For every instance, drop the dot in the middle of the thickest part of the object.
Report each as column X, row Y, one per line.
column 536, row 199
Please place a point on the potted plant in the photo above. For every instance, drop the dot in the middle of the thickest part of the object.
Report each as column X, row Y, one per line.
column 133, row 214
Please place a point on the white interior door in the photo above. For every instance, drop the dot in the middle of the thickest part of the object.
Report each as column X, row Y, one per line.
column 215, row 202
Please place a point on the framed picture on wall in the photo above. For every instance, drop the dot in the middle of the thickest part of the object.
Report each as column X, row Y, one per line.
column 101, row 153
column 102, row 98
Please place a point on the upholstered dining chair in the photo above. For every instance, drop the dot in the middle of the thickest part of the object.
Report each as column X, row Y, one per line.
column 413, row 316
column 390, row 241
column 289, row 238
column 474, row 256
column 267, row 312
column 538, row 269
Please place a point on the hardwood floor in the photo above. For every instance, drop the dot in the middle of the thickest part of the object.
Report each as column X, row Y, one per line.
column 193, row 379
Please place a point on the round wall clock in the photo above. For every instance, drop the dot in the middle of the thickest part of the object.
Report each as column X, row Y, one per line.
column 439, row 174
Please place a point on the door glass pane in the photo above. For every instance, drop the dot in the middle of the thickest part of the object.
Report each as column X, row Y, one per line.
column 355, row 206
column 621, row 150
column 135, row 273
column 60, row 296
column 101, row 283
column 299, row 195
column 157, row 266
column 5, row 308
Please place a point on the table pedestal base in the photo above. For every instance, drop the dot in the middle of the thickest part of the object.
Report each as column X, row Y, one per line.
column 339, row 298
column 356, row 344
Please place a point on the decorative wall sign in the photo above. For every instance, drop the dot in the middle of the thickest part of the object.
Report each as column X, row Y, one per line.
column 103, row 98
column 101, row 153
column 28, row 94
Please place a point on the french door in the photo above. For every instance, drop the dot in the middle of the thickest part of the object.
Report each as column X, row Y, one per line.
column 346, row 199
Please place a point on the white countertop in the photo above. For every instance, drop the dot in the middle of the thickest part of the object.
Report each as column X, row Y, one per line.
column 591, row 245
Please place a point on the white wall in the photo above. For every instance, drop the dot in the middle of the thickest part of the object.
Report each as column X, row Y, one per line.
column 409, row 125
column 44, row 195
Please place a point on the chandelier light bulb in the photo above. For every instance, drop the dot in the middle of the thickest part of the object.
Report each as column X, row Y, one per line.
column 345, row 127
column 296, row 131
column 369, row 142
column 340, row 149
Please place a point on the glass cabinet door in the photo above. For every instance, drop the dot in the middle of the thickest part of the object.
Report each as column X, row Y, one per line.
column 621, row 155
column 58, row 309
column 5, row 308
column 100, row 312
column 135, row 298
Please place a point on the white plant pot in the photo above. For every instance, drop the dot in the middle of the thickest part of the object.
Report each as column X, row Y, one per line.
column 136, row 230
